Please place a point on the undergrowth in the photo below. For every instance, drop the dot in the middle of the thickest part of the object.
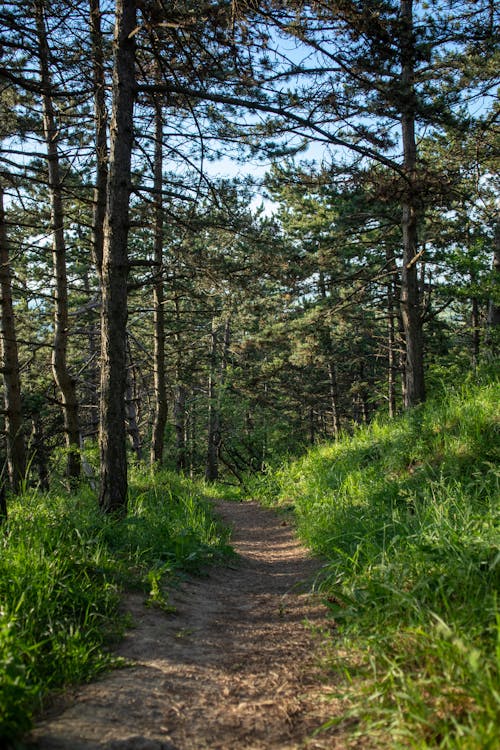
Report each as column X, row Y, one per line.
column 406, row 516
column 62, row 567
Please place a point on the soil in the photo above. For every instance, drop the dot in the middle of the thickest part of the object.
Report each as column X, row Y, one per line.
column 237, row 666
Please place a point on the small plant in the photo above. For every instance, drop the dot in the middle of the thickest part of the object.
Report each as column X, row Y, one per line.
column 158, row 597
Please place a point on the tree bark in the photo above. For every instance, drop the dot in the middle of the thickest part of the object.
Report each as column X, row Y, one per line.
column 16, row 453
column 180, row 427
column 334, row 399
column 115, row 266
column 131, row 407
column 184, row 451
column 160, row 415
column 91, row 388
column 62, row 376
column 493, row 321
column 101, row 175
column 101, row 137
column 213, row 439
column 38, row 445
column 215, row 385
column 332, row 374
column 476, row 330
column 410, row 295
column 190, row 439
column 391, row 339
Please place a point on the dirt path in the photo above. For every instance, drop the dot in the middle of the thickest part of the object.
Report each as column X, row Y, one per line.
column 235, row 668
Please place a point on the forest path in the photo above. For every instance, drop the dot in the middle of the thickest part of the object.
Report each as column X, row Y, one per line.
column 236, row 667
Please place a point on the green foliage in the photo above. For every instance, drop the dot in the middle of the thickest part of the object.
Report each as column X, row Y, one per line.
column 406, row 516
column 62, row 567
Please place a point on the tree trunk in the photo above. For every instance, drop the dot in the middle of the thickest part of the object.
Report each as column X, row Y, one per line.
column 16, row 453
column 101, row 177
column 101, row 137
column 180, row 426
column 91, row 427
column 184, row 449
column 62, row 376
column 214, row 404
column 312, row 426
column 332, row 375
column 493, row 321
column 160, row 416
column 476, row 337
column 400, row 337
column 391, row 341
column 115, row 266
column 38, row 445
column 213, row 440
column 191, row 434
column 131, row 405
column 410, row 296
column 334, row 399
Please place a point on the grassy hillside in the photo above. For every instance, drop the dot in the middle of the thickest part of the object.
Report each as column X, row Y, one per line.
column 62, row 567
column 406, row 516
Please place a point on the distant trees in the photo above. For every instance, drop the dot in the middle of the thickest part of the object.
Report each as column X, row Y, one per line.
column 365, row 79
column 214, row 335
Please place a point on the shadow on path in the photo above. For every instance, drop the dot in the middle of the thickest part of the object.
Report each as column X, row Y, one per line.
column 236, row 667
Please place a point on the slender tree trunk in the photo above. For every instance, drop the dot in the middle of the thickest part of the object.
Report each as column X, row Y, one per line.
column 493, row 321
column 410, row 296
column 312, row 426
column 476, row 331
column 180, row 426
column 131, row 411
column 182, row 432
column 101, row 135
column 400, row 338
column 364, row 408
column 213, row 440
column 332, row 375
column 131, row 406
column 334, row 399
column 16, row 453
column 216, row 383
column 115, row 266
column 92, row 377
column 362, row 396
column 62, row 375
column 101, row 177
column 391, row 365
column 391, row 342
column 190, row 438
column 38, row 444
column 160, row 415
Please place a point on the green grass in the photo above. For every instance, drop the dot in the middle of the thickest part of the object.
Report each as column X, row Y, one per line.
column 407, row 517
column 62, row 568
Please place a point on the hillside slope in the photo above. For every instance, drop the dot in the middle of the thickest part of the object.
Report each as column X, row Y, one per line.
column 406, row 515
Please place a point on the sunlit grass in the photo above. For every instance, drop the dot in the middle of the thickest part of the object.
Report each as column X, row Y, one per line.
column 63, row 565
column 407, row 518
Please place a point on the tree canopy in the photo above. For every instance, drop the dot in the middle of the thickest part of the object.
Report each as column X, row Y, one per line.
column 229, row 230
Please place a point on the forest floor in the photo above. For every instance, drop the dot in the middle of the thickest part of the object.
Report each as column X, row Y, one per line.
column 239, row 664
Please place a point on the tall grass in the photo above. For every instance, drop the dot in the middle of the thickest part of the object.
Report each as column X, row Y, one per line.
column 406, row 515
column 63, row 565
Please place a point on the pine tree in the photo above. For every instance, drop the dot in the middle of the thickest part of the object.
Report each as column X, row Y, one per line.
column 115, row 267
